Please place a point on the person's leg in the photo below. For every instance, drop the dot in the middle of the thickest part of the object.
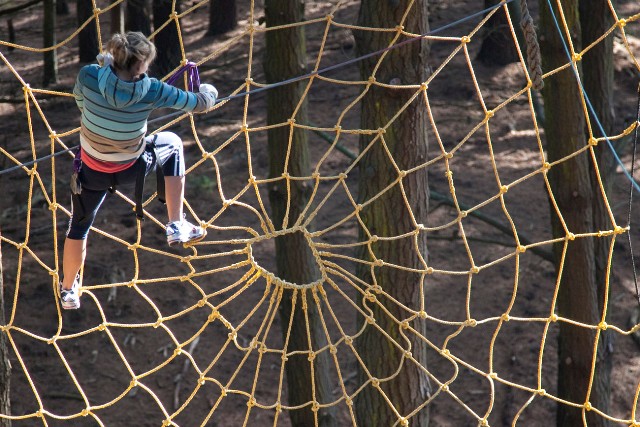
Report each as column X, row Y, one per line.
column 73, row 258
column 174, row 193
column 84, row 209
column 169, row 157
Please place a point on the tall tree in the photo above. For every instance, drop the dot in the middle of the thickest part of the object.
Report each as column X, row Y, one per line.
column 223, row 16
column 580, row 297
column 498, row 46
column 117, row 19
column 50, row 71
column 167, row 40
column 285, row 57
column 88, row 38
column 393, row 213
column 5, row 365
column 598, row 69
column 137, row 16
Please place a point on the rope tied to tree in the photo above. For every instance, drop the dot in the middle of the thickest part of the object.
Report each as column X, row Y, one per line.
column 534, row 61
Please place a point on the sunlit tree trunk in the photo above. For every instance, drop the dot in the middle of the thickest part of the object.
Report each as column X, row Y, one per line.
column 285, row 58
column 392, row 214
column 579, row 295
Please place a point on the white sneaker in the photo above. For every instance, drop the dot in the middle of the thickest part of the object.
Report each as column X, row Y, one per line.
column 70, row 298
column 184, row 232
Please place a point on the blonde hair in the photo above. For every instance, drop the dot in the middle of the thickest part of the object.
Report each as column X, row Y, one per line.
column 130, row 47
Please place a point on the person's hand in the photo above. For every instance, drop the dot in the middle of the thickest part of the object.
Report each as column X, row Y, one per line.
column 206, row 87
column 104, row 59
column 211, row 94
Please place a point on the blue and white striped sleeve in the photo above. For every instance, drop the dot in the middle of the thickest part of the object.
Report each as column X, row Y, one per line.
column 172, row 97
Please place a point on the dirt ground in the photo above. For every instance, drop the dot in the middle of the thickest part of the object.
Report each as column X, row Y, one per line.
column 104, row 360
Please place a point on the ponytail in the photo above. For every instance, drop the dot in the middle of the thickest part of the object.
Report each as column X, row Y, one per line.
column 130, row 47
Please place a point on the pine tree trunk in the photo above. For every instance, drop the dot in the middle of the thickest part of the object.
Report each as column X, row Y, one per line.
column 597, row 64
column 50, row 72
column 88, row 38
column 167, row 40
column 137, row 16
column 498, row 46
column 285, row 58
column 571, row 184
column 5, row 365
column 389, row 215
column 62, row 7
column 222, row 16
column 117, row 19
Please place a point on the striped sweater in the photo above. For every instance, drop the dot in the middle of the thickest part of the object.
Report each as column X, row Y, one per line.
column 115, row 112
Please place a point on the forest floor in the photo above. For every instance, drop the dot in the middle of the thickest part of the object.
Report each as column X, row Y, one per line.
column 514, row 352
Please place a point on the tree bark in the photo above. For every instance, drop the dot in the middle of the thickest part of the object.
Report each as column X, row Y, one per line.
column 498, row 46
column 389, row 215
column 285, row 57
column 137, row 16
column 222, row 17
column 62, row 7
column 88, row 38
column 50, row 71
column 167, row 40
column 572, row 187
column 5, row 365
column 117, row 19
column 597, row 64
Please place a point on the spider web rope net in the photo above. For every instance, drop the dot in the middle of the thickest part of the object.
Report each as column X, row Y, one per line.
column 192, row 337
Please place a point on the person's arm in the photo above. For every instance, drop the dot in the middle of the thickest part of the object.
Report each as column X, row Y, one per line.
column 172, row 97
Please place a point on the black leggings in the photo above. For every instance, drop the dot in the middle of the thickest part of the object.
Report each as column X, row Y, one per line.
column 95, row 185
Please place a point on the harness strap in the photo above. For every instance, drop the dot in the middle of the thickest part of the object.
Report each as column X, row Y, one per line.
column 141, row 175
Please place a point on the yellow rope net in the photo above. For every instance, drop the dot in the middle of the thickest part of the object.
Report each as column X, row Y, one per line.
column 203, row 344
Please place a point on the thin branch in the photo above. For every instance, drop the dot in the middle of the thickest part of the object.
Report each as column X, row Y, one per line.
column 18, row 8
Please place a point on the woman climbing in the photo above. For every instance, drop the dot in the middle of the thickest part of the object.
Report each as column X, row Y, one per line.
column 116, row 98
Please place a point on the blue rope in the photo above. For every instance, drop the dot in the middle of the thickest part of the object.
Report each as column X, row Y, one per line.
column 586, row 98
column 297, row 78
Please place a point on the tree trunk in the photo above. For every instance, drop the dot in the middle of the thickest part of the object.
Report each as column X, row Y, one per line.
column 117, row 19
column 137, row 17
column 88, row 38
column 5, row 365
column 571, row 184
column 222, row 17
column 167, row 40
column 12, row 33
column 498, row 46
column 285, row 57
column 62, row 7
column 390, row 215
column 597, row 65
column 50, row 71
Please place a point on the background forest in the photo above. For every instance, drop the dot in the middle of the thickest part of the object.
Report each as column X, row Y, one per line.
column 440, row 275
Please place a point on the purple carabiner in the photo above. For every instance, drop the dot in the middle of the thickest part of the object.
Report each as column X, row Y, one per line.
column 193, row 78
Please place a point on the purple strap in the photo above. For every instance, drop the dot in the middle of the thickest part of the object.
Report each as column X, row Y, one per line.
column 77, row 161
column 193, row 78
